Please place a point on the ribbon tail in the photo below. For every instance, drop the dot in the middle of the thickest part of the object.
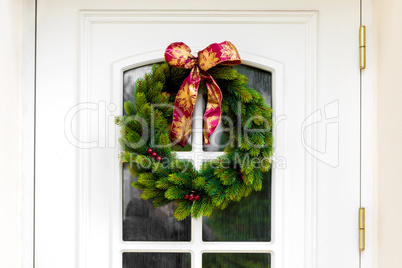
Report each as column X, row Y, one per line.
column 184, row 107
column 212, row 115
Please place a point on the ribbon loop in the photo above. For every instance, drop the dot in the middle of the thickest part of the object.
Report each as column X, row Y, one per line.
column 222, row 53
column 179, row 55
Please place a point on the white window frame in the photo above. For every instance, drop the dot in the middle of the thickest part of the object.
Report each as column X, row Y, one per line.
column 196, row 246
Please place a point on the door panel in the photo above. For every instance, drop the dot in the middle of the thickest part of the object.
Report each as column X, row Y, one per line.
column 315, row 185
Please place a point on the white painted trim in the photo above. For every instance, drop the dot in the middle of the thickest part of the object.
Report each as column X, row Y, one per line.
column 311, row 160
column 369, row 184
column 204, row 16
column 28, row 129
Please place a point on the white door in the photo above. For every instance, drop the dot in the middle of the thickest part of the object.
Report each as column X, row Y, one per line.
column 309, row 50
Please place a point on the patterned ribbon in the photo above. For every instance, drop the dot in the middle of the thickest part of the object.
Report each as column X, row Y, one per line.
column 178, row 55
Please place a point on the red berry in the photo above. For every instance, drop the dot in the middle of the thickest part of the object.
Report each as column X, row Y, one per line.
column 154, row 154
column 168, row 94
column 242, row 176
column 197, row 197
column 191, row 197
column 158, row 158
column 186, row 196
column 150, row 151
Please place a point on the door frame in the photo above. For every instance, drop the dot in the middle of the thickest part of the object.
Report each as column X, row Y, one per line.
column 368, row 183
column 28, row 96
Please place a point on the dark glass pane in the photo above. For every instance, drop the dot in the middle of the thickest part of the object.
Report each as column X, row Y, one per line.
column 156, row 260
column 259, row 80
column 249, row 219
column 246, row 220
column 236, row 260
column 129, row 79
column 143, row 222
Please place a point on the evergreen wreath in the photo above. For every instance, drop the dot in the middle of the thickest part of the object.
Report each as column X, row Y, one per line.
column 162, row 176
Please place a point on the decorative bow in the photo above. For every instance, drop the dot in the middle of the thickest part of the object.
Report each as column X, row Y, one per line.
column 178, row 55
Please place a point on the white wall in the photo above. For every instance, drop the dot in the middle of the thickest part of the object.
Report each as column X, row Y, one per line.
column 10, row 132
column 389, row 131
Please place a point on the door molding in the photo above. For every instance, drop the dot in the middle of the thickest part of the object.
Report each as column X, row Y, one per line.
column 27, row 29
column 90, row 18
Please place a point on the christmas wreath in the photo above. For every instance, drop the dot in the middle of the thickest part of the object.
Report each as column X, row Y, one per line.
column 148, row 131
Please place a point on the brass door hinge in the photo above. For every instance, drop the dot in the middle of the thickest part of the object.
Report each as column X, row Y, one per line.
column 362, row 46
column 362, row 235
